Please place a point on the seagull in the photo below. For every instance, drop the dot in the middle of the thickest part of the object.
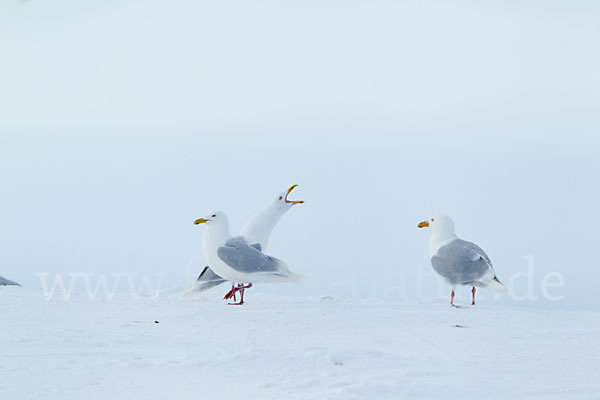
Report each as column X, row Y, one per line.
column 6, row 282
column 256, row 232
column 458, row 262
column 237, row 261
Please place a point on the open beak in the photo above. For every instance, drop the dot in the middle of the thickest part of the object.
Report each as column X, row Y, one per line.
column 292, row 201
column 423, row 224
column 200, row 221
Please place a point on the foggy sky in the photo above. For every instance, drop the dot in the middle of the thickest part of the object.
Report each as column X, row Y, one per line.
column 122, row 123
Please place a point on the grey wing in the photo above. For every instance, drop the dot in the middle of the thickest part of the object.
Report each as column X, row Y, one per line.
column 6, row 282
column 247, row 259
column 461, row 262
column 207, row 279
column 208, row 275
column 256, row 245
column 476, row 249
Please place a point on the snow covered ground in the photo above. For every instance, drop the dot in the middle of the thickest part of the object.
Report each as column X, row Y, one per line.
column 289, row 348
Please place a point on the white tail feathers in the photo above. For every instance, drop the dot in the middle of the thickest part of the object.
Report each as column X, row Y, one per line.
column 189, row 290
column 197, row 287
column 296, row 278
column 495, row 284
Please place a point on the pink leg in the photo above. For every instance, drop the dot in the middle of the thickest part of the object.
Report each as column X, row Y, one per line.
column 473, row 291
column 452, row 298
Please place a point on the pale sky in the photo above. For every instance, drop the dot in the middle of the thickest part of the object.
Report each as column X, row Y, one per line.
column 121, row 123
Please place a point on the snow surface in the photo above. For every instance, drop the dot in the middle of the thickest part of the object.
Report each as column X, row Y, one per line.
column 290, row 348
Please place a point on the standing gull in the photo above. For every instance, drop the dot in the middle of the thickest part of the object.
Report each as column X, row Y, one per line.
column 458, row 262
column 256, row 232
column 237, row 261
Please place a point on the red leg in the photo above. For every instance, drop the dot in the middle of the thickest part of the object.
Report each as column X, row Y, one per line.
column 473, row 291
column 242, row 289
column 452, row 298
column 231, row 293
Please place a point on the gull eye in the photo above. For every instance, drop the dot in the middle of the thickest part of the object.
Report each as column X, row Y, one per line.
column 432, row 219
column 280, row 197
column 213, row 216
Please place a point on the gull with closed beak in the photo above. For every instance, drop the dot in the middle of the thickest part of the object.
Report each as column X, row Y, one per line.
column 456, row 261
column 237, row 261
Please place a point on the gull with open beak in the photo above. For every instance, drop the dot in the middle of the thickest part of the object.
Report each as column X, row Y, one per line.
column 235, row 260
column 456, row 261
column 256, row 232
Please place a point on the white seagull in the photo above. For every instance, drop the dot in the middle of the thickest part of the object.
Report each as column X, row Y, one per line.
column 237, row 261
column 458, row 262
column 256, row 232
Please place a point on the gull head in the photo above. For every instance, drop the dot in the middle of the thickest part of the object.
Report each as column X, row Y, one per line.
column 441, row 225
column 216, row 218
column 282, row 202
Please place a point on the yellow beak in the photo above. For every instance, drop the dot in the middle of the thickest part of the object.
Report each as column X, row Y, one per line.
column 200, row 221
column 292, row 201
column 423, row 224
